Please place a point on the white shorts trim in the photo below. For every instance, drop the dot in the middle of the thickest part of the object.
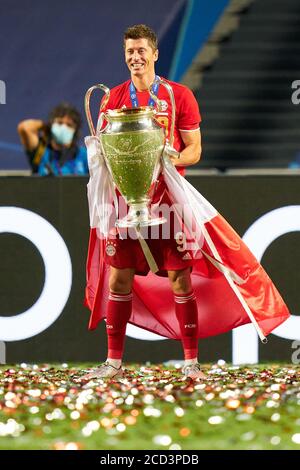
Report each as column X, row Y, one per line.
column 189, row 130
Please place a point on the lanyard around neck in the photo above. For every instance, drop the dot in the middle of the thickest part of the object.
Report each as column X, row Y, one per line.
column 133, row 95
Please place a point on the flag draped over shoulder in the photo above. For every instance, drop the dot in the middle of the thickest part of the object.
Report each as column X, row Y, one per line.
column 230, row 285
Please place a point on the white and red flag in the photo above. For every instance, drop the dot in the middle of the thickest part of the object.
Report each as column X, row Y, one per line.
column 230, row 285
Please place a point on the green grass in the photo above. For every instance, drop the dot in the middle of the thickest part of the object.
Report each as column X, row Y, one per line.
column 253, row 407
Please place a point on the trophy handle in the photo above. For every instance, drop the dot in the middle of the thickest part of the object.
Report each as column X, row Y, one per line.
column 87, row 104
column 172, row 99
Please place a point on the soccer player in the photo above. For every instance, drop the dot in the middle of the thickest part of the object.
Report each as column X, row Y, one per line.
column 125, row 256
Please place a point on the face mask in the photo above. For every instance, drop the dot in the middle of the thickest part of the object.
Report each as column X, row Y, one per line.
column 62, row 134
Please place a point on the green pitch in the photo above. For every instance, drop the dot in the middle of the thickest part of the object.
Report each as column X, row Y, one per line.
column 154, row 407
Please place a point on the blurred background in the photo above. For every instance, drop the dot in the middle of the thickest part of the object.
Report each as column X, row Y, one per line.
column 240, row 58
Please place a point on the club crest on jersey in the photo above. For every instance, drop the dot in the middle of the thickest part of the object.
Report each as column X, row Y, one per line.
column 110, row 250
column 163, row 105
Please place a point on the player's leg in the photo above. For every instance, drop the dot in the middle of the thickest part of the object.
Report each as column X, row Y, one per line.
column 187, row 315
column 118, row 313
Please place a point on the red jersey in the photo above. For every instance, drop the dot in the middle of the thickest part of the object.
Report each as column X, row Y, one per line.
column 187, row 117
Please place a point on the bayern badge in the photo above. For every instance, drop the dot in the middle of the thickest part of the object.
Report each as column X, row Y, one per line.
column 163, row 105
column 110, row 250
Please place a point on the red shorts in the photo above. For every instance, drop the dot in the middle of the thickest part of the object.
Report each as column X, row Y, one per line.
column 166, row 243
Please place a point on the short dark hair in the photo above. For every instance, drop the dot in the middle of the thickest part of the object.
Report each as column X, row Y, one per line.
column 141, row 31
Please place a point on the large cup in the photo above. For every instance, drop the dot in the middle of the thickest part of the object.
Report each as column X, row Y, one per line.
column 132, row 143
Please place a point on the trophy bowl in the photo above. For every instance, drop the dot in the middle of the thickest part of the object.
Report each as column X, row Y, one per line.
column 133, row 143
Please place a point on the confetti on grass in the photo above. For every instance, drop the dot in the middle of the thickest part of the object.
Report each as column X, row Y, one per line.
column 153, row 407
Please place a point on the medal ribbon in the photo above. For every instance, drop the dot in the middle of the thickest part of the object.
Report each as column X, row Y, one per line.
column 133, row 95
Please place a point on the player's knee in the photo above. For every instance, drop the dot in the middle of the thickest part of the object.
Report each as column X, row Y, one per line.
column 181, row 282
column 120, row 284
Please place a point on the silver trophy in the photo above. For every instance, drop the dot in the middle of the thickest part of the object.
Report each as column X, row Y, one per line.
column 132, row 143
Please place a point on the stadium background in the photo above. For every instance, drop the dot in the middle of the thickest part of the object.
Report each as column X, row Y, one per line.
column 239, row 57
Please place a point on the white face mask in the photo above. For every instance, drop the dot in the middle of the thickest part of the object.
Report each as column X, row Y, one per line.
column 62, row 134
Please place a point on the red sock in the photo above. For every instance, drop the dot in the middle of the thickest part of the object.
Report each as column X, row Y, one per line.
column 187, row 315
column 118, row 313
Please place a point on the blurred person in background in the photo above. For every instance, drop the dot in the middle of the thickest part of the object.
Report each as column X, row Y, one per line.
column 52, row 147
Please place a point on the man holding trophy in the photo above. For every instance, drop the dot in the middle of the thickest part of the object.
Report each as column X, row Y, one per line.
column 202, row 261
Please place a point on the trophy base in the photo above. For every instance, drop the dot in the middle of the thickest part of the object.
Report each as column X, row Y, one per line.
column 127, row 223
column 139, row 216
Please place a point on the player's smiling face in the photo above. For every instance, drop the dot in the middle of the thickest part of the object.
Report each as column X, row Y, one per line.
column 140, row 56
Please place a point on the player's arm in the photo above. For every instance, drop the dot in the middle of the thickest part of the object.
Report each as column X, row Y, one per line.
column 191, row 154
column 29, row 133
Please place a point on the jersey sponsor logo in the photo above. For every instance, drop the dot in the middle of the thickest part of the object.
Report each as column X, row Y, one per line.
column 190, row 325
column 110, row 250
